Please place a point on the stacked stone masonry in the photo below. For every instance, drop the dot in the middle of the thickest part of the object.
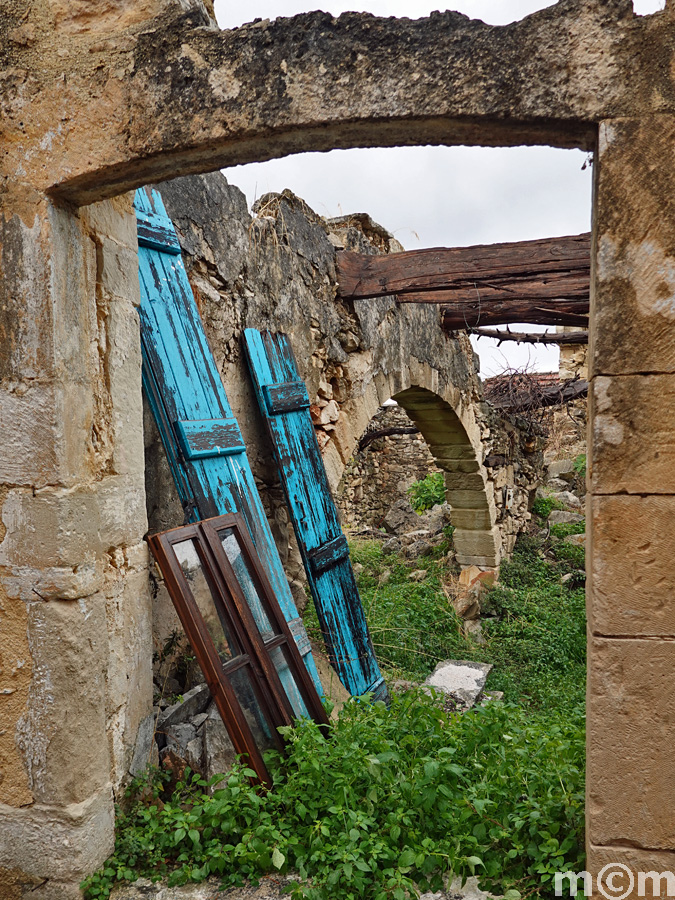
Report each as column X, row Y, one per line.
column 275, row 269
column 97, row 104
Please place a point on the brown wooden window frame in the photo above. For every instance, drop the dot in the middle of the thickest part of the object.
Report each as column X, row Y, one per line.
column 229, row 599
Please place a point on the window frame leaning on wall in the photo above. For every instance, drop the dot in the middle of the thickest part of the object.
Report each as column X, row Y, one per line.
column 249, row 650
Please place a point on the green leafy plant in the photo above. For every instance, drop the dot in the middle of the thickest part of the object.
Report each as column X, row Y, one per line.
column 397, row 798
column 390, row 803
column 580, row 465
column 428, row 492
column 542, row 506
column 563, row 531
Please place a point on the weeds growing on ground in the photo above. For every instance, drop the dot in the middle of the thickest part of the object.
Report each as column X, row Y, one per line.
column 391, row 802
column 396, row 798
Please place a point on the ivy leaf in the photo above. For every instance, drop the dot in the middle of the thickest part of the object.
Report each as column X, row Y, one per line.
column 278, row 858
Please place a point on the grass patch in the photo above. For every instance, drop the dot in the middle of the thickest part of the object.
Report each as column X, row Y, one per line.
column 542, row 506
column 536, row 637
column 563, row 531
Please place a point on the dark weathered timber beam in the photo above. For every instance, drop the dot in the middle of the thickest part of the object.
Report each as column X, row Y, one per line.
column 549, row 268
column 520, row 337
column 368, row 439
column 563, row 287
column 508, row 312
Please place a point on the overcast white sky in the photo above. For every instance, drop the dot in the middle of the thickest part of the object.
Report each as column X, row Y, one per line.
column 443, row 196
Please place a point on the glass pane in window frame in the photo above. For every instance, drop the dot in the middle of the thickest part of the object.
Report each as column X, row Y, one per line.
column 282, row 637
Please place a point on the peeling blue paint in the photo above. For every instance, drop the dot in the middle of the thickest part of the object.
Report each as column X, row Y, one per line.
column 201, row 437
column 284, row 403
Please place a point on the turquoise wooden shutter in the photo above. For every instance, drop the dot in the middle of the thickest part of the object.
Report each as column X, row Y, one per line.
column 283, row 401
column 201, row 437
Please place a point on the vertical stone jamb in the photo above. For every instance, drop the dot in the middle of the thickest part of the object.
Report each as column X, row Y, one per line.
column 631, row 500
column 74, row 606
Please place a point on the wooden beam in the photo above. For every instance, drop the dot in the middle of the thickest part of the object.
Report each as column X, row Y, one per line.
column 520, row 337
column 368, row 439
column 506, row 312
column 553, row 268
column 554, row 286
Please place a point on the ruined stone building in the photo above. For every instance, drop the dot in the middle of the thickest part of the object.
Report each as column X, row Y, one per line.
column 99, row 99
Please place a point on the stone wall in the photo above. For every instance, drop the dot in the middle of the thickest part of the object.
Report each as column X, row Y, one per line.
column 379, row 475
column 75, row 665
column 275, row 269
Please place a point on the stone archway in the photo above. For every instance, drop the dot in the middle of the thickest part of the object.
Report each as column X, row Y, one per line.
column 468, row 490
column 181, row 97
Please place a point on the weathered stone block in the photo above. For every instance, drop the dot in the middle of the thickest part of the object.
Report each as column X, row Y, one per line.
column 219, row 752
column 471, row 519
column 61, row 843
column 484, row 562
column 460, row 451
column 29, row 435
column 193, row 703
column 634, row 299
column 16, row 674
column 464, row 681
column 333, row 465
column 476, row 543
column 129, row 675
column 117, row 270
column 462, row 481
column 60, row 527
column 642, row 865
column 564, row 517
column 560, row 467
column 54, row 582
column 26, row 316
column 113, row 218
column 144, row 747
column 123, row 366
column 51, row 527
column 122, row 509
column 631, row 566
column 631, row 717
column 633, row 434
column 467, row 499
column 61, row 733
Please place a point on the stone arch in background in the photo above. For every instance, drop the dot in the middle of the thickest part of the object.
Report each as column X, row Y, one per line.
column 449, row 425
column 467, row 489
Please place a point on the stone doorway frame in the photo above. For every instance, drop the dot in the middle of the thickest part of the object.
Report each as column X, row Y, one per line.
column 583, row 73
